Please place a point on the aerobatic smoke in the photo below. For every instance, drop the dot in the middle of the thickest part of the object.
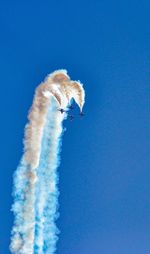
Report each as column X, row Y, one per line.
column 35, row 180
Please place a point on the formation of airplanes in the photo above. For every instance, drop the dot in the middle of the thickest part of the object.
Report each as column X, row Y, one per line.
column 71, row 117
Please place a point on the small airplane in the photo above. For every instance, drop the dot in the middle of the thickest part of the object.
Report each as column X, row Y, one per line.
column 61, row 110
column 70, row 107
column 82, row 114
column 71, row 117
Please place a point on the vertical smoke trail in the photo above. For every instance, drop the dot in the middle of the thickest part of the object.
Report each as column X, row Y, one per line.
column 35, row 180
column 46, row 203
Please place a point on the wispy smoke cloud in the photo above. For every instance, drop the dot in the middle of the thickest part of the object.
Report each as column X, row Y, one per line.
column 35, row 180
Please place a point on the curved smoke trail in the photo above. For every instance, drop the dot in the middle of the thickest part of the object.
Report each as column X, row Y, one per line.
column 35, row 180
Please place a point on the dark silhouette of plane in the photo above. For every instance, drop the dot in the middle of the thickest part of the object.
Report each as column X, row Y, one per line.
column 82, row 114
column 61, row 110
column 71, row 107
column 71, row 117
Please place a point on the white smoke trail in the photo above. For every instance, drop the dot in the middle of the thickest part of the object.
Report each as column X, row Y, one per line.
column 35, row 180
column 46, row 203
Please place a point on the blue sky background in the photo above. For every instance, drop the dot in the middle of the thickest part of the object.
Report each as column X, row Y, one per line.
column 105, row 172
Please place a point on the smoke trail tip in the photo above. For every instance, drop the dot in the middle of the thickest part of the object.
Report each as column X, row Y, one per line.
column 60, row 73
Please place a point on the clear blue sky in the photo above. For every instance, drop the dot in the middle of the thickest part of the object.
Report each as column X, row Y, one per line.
column 105, row 168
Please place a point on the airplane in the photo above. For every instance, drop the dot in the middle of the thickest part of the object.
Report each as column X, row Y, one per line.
column 81, row 114
column 70, row 107
column 71, row 117
column 61, row 110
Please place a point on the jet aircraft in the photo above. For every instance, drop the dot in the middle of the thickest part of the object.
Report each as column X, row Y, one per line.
column 61, row 110
column 71, row 117
column 82, row 114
